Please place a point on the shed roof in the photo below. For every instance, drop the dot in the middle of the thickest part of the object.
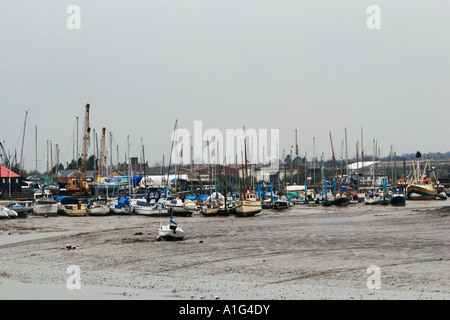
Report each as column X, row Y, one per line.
column 4, row 173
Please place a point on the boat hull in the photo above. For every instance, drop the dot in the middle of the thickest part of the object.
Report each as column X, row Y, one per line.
column 397, row 200
column 247, row 208
column 151, row 211
column 280, row 205
column 98, row 211
column 7, row 213
column 419, row 192
column 45, row 209
column 168, row 232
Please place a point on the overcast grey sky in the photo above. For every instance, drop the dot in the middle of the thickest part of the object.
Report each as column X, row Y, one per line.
column 313, row 66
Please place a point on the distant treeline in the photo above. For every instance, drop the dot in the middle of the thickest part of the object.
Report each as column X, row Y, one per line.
column 432, row 155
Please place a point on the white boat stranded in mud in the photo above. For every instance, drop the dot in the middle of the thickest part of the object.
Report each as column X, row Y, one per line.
column 171, row 232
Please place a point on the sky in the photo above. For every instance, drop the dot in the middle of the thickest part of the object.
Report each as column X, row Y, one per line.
column 310, row 66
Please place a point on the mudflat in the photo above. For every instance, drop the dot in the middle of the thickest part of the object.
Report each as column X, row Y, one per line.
column 305, row 252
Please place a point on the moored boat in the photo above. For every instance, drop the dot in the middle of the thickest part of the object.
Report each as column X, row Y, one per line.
column 150, row 209
column 398, row 199
column 98, row 207
column 248, row 205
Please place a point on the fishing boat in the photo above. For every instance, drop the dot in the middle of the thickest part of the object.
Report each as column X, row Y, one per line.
column 419, row 187
column 98, row 207
column 421, row 190
column 248, row 205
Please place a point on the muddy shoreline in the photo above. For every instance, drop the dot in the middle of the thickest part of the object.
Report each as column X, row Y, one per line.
column 308, row 252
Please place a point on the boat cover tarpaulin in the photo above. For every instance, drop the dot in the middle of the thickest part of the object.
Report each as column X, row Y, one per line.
column 67, row 200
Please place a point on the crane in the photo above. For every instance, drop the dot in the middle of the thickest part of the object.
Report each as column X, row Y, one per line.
column 84, row 151
column 79, row 184
column 3, row 154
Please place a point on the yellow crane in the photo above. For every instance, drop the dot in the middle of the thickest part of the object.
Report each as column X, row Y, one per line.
column 79, row 184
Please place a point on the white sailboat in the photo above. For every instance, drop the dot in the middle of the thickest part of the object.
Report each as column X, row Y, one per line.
column 171, row 231
column 98, row 207
column 150, row 209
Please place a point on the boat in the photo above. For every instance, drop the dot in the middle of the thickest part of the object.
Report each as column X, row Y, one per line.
column 341, row 200
column 210, row 207
column 44, row 205
column 64, row 201
column 8, row 213
column 191, row 206
column 419, row 187
column 22, row 210
column 121, row 206
column 422, row 190
column 75, row 210
column 216, row 204
column 281, row 203
column 398, row 199
column 150, row 209
column 171, row 231
column 372, row 197
column 177, row 207
column 248, row 205
column 98, row 207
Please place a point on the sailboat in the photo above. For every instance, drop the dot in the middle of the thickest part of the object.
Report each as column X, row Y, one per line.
column 249, row 204
column 171, row 231
column 340, row 198
column 98, row 207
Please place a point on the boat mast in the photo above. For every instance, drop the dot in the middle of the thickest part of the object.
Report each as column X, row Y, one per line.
column 335, row 166
column 357, row 166
column 23, row 140
column 170, row 156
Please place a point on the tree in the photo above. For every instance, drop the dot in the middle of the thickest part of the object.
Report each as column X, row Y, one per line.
column 418, row 155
